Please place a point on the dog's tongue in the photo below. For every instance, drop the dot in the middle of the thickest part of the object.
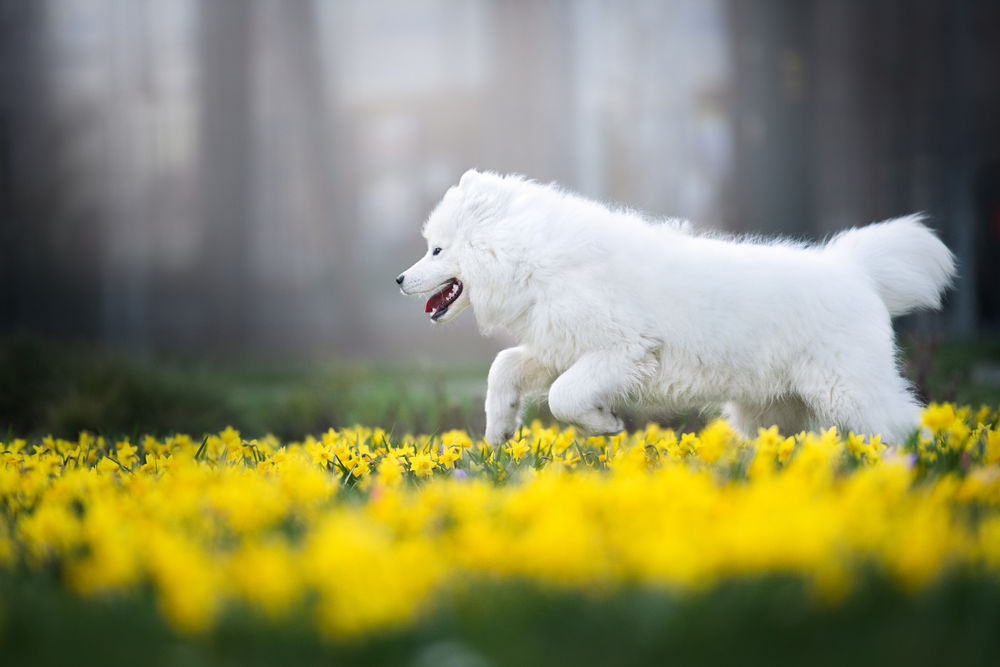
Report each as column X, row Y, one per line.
column 437, row 299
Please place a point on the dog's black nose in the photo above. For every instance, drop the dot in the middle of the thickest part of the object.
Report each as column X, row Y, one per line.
column 399, row 279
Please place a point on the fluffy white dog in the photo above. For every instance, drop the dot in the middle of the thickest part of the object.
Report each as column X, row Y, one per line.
column 610, row 308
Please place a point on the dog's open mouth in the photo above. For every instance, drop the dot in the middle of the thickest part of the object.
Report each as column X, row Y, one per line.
column 438, row 304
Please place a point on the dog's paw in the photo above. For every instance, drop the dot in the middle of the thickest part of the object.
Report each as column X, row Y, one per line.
column 616, row 426
column 497, row 438
column 599, row 421
column 499, row 432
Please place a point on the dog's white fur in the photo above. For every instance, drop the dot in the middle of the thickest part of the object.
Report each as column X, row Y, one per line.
column 610, row 308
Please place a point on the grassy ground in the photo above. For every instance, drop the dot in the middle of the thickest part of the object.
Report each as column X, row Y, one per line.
column 59, row 388
column 964, row 372
column 758, row 622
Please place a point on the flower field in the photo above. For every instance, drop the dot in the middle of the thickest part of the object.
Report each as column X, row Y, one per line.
column 358, row 533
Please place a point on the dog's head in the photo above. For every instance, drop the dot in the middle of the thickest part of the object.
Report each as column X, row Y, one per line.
column 448, row 268
column 499, row 243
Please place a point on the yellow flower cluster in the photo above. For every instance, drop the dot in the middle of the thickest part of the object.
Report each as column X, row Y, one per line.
column 362, row 532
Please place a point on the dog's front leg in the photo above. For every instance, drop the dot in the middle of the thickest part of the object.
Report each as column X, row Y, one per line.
column 515, row 373
column 585, row 393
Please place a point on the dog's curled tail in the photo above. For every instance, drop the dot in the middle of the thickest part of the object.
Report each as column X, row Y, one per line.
column 908, row 263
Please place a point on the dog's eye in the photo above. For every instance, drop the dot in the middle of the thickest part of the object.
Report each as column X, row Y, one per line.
column 437, row 251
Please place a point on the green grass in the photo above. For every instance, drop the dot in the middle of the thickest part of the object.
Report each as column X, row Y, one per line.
column 750, row 622
column 952, row 371
column 60, row 388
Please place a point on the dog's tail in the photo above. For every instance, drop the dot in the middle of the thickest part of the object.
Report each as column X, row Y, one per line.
column 908, row 263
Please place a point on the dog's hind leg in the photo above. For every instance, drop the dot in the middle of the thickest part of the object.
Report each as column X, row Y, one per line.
column 890, row 411
column 585, row 394
column 514, row 374
column 866, row 398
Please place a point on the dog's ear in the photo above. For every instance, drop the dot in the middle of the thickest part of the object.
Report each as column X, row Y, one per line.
column 468, row 178
column 483, row 196
column 475, row 183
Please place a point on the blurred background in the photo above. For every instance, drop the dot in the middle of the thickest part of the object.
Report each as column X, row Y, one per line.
column 241, row 180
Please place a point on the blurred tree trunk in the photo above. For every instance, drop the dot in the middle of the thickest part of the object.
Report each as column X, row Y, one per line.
column 49, row 194
column 772, row 107
column 22, row 77
column 227, row 150
column 309, row 156
column 127, row 219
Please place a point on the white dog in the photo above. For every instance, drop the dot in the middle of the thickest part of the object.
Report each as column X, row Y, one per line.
column 611, row 308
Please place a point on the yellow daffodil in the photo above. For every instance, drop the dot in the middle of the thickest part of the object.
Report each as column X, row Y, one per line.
column 328, row 526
